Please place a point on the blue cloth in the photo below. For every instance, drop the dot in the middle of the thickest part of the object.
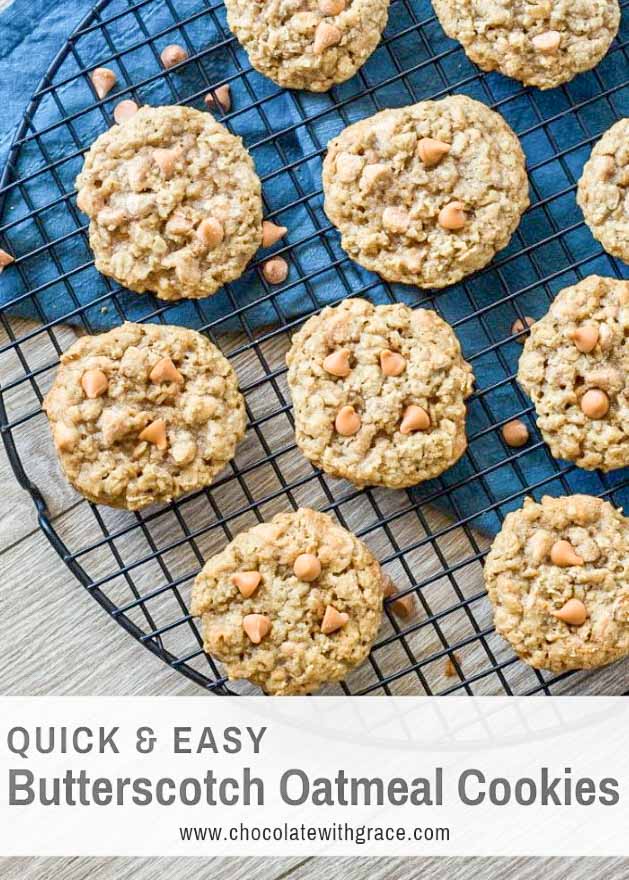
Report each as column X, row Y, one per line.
column 31, row 33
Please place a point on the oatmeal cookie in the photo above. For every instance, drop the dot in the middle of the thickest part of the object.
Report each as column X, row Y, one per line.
column 144, row 413
column 308, row 44
column 290, row 604
column 603, row 191
column 540, row 42
column 174, row 203
column 426, row 194
column 575, row 368
column 558, row 577
column 379, row 393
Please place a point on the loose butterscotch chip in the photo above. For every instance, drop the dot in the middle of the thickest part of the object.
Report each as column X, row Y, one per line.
column 125, row 110
column 515, row 433
column 5, row 260
column 220, row 98
column 520, row 325
column 275, row 271
column 172, row 55
column 272, row 233
column 103, row 80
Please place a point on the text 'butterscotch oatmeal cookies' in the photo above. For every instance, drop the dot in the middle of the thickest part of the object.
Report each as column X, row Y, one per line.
column 603, row 191
column 540, row 42
column 426, row 194
column 379, row 393
column 575, row 368
column 174, row 203
column 144, row 413
column 310, row 44
column 291, row 604
column 558, row 577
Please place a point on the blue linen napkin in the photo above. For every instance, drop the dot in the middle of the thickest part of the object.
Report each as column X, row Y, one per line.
column 32, row 31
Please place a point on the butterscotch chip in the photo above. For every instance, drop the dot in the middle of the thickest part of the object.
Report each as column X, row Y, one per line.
column 310, row 45
column 419, row 213
column 272, row 233
column 450, row 669
column 275, row 271
column 296, row 656
column 562, row 615
column 580, row 390
column 337, row 363
column 603, row 191
column 361, row 425
column 392, row 363
column 5, row 259
column 149, row 183
column 103, row 80
column 515, row 433
column 165, row 423
column 520, row 325
column 257, row 626
column 307, row 567
column 541, row 43
column 333, row 620
column 173, row 55
column 125, row 110
column 220, row 98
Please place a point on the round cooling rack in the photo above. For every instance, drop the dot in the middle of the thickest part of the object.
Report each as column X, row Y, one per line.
column 432, row 539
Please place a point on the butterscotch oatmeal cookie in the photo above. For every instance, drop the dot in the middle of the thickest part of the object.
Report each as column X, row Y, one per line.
column 558, row 576
column 308, row 44
column 144, row 413
column 290, row 604
column 603, row 191
column 426, row 194
column 174, row 203
column 575, row 368
column 379, row 393
column 540, row 42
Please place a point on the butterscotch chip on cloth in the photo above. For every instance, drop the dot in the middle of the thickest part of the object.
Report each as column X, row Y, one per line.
column 540, row 42
column 419, row 214
column 371, row 424
column 153, row 186
column 603, row 191
column 144, row 413
column 575, row 368
column 306, row 644
column 567, row 609
column 311, row 44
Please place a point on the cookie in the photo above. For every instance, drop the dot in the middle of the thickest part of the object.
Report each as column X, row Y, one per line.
column 290, row 604
column 558, row 577
column 379, row 393
column 542, row 43
column 575, row 368
column 603, row 191
column 144, row 413
column 310, row 44
column 426, row 194
column 174, row 203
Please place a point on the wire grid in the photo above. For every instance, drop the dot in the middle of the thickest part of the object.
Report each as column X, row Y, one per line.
column 140, row 567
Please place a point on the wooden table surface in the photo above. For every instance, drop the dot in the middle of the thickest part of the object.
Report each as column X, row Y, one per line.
column 56, row 640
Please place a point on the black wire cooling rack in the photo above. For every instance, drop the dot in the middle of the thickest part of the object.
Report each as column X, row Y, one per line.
column 432, row 540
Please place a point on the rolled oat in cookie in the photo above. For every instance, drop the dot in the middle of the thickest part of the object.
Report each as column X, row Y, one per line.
column 174, row 203
column 558, row 577
column 575, row 368
column 540, row 42
column 144, row 413
column 426, row 194
column 291, row 604
column 603, row 191
column 308, row 44
column 379, row 393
